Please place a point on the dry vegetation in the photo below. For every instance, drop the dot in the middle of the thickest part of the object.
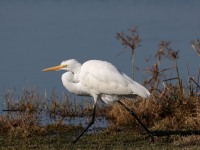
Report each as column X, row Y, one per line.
column 172, row 105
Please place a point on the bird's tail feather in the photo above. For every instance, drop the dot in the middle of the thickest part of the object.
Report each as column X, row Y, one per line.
column 137, row 88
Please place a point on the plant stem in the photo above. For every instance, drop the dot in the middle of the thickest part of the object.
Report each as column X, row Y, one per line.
column 132, row 58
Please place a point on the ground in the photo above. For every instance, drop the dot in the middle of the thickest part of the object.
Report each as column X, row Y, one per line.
column 105, row 139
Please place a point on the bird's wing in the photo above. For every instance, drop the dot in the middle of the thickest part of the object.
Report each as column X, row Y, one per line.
column 102, row 77
column 137, row 88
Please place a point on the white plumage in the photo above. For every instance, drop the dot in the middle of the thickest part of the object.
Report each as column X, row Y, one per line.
column 100, row 80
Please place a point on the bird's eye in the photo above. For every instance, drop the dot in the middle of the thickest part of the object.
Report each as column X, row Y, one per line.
column 64, row 66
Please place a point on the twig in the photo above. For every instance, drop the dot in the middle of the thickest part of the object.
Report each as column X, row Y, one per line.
column 195, row 82
column 196, row 46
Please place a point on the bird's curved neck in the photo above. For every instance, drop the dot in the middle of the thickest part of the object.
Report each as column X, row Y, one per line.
column 71, row 87
column 72, row 84
column 75, row 71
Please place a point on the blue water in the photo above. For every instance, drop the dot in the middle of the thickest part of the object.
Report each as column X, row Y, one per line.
column 100, row 122
column 38, row 34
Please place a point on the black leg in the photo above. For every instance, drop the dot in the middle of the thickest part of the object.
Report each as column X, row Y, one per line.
column 140, row 122
column 92, row 121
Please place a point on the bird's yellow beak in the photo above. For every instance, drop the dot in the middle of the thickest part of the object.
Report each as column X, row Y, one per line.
column 55, row 68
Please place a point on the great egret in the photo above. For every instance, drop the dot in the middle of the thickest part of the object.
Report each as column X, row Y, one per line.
column 100, row 80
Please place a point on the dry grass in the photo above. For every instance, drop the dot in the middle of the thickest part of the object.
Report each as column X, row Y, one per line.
column 172, row 105
column 166, row 109
column 22, row 126
column 166, row 112
column 23, row 113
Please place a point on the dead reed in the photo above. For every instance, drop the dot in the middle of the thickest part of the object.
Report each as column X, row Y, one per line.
column 196, row 46
column 131, row 41
column 172, row 105
column 23, row 113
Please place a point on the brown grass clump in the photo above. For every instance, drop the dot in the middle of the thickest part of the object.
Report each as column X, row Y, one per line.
column 164, row 113
column 172, row 105
column 22, row 126
column 23, row 113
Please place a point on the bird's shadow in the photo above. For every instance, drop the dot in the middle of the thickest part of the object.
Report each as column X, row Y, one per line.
column 160, row 133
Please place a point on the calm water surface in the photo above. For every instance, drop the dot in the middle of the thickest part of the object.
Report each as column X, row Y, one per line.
column 39, row 34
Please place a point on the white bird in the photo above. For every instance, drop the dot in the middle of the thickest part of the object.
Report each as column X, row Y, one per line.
column 102, row 81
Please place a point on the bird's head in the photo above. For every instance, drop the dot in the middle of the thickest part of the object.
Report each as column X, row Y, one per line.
column 67, row 65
